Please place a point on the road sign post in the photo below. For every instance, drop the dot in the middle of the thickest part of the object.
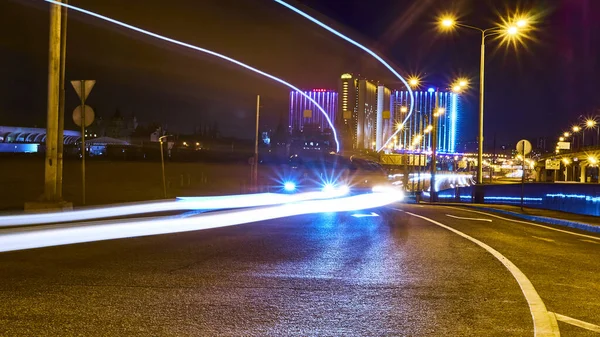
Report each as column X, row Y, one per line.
column 83, row 88
column 524, row 148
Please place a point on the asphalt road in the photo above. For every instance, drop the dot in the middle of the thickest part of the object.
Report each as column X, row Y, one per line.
column 327, row 274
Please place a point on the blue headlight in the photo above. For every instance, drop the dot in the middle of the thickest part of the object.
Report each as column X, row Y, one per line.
column 289, row 186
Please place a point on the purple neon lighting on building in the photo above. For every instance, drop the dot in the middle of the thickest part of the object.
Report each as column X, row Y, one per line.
column 369, row 51
column 207, row 51
column 326, row 99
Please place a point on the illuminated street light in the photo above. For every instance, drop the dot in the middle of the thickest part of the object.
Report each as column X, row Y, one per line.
column 403, row 109
column 414, row 81
column 566, row 134
column 522, row 23
column 590, row 123
column 576, row 129
column 562, row 139
column 511, row 30
column 447, row 22
column 399, row 126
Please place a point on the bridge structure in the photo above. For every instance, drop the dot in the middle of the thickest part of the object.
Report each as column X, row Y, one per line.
column 22, row 139
column 578, row 165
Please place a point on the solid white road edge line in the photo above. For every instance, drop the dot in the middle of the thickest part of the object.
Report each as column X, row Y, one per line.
column 576, row 322
column 544, row 323
column 463, row 218
column 525, row 222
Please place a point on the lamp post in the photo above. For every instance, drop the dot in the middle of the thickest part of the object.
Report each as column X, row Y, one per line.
column 510, row 29
column 162, row 160
column 576, row 130
column 592, row 124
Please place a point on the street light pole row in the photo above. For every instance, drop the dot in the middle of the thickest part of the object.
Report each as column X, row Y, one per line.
column 512, row 28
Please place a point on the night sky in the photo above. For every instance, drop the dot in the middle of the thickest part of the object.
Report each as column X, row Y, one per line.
column 534, row 91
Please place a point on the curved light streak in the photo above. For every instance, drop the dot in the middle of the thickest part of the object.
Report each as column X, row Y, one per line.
column 210, row 52
column 46, row 236
column 369, row 51
column 182, row 204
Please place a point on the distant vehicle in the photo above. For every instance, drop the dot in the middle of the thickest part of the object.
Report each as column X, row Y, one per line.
column 330, row 172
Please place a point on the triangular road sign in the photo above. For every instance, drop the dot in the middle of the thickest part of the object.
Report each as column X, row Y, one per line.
column 87, row 87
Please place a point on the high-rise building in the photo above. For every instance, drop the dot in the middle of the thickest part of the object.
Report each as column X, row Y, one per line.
column 422, row 116
column 304, row 115
column 357, row 124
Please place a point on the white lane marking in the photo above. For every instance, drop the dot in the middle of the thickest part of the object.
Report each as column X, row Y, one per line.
column 527, row 223
column 463, row 218
column 543, row 239
column 372, row 214
column 576, row 322
column 544, row 323
column 590, row 241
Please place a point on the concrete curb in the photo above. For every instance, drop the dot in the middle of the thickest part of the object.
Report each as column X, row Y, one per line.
column 553, row 221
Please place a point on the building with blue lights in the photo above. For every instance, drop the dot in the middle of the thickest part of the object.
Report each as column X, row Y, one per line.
column 422, row 116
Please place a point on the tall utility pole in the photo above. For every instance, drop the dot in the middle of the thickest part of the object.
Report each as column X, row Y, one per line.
column 61, row 104
column 255, row 172
column 434, row 134
column 50, row 164
column 82, row 96
column 481, row 95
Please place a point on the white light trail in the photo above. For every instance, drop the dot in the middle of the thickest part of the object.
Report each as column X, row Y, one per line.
column 20, row 238
column 182, row 204
column 369, row 51
column 207, row 51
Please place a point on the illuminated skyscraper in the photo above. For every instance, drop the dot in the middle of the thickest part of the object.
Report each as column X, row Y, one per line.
column 305, row 116
column 357, row 122
column 422, row 117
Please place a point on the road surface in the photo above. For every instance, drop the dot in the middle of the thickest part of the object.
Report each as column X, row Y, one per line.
column 375, row 272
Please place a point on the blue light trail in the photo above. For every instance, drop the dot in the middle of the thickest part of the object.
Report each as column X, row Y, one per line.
column 369, row 51
column 20, row 238
column 181, row 204
column 210, row 52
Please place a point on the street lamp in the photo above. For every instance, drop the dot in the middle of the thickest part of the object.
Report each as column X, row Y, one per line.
column 162, row 160
column 576, row 130
column 592, row 124
column 513, row 29
column 414, row 81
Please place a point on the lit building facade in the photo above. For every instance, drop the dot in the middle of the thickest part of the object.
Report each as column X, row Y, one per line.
column 422, row 117
column 304, row 114
column 359, row 106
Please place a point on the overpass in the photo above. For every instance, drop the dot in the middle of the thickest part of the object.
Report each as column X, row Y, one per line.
column 579, row 165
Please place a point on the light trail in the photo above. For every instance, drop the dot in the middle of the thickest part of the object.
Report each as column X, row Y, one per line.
column 207, row 51
column 182, row 204
column 369, row 51
column 20, row 238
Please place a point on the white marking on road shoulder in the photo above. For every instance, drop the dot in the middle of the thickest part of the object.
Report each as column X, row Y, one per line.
column 576, row 322
column 525, row 222
column 463, row 218
column 544, row 323
column 543, row 239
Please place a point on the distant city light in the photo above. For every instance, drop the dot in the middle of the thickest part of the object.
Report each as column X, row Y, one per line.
column 431, row 90
column 370, row 52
